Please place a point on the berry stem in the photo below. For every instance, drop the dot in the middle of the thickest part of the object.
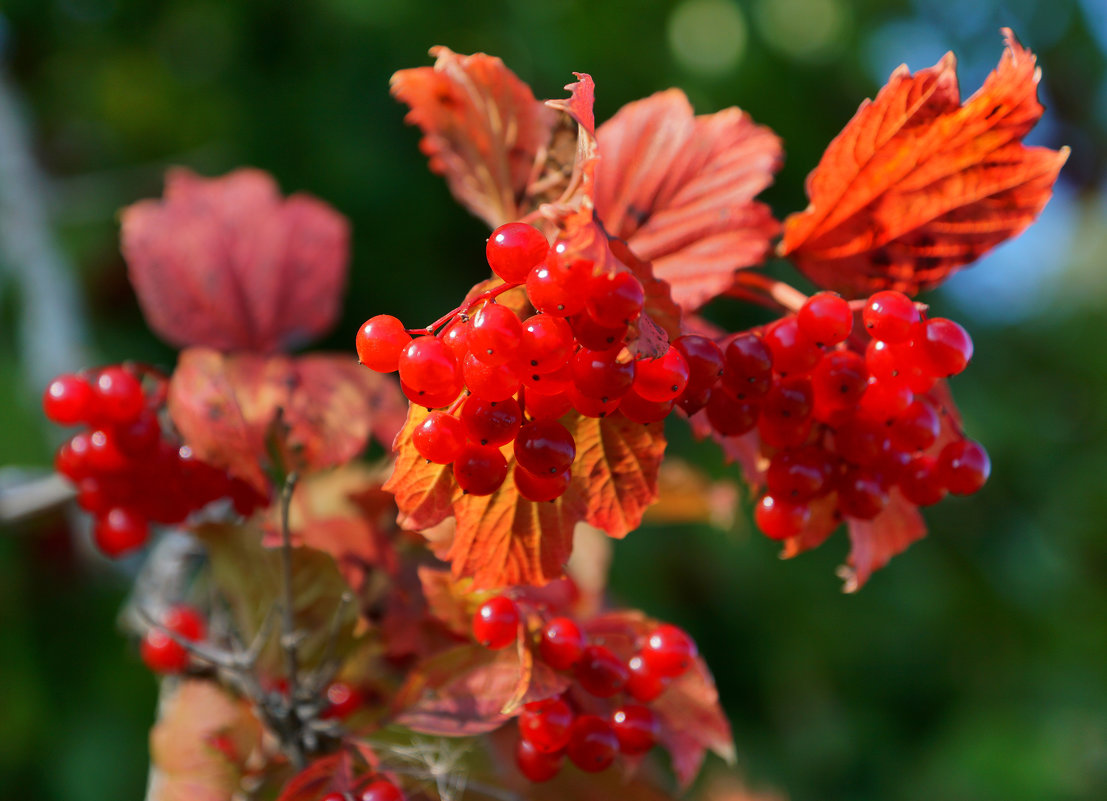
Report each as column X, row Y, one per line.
column 464, row 308
column 766, row 291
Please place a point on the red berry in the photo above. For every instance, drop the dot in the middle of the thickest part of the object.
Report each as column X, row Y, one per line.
column 514, row 249
column 861, row 494
column 601, row 375
column 705, row 368
column 964, row 466
column 616, row 298
column 163, row 654
column 748, row 368
column 492, row 383
column 562, row 643
column 535, row 765
column 592, row 744
column 784, row 434
column 380, row 341
column 790, row 402
column 639, row 410
column 72, row 458
column 456, row 337
column 779, row 519
column 104, row 453
column 668, row 651
column 541, row 488
column 661, row 379
column 921, row 483
column 592, row 407
column 547, row 407
column 432, row 398
column 494, row 334
column 890, row 316
column 546, row 343
column 731, row 417
column 382, row 790
column 140, row 436
column 556, row 383
column 644, row 684
column 917, row 427
column 119, row 531
column 590, row 334
column 69, row 399
column 335, row 797
column 480, row 469
column 342, row 700
column 428, row 366
column 545, row 724
column 799, row 474
column 793, row 353
column 557, row 289
column 491, row 422
column 600, row 673
column 825, row 318
column 119, row 396
column 545, row 447
column 496, row 623
column 860, row 442
column 947, row 346
column 884, row 399
column 839, row 380
column 636, row 728
column 439, row 438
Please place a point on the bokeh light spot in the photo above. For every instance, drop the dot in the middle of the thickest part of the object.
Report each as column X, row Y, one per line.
column 707, row 37
column 806, row 30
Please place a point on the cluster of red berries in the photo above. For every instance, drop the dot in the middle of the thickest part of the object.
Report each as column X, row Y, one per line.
column 162, row 653
column 844, row 411
column 553, row 729
column 129, row 471
column 522, row 375
column 375, row 790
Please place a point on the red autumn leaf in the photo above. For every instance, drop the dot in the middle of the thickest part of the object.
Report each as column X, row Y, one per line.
column 348, row 771
column 449, row 600
column 691, row 720
column 918, row 185
column 502, row 539
column 482, row 129
column 201, row 743
column 229, row 264
column 317, row 410
column 874, row 542
column 680, row 190
column 465, row 690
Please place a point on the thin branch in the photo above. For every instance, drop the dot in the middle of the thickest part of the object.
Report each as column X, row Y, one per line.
column 220, row 659
column 769, row 292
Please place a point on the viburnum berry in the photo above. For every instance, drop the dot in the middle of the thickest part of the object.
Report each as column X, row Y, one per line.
column 480, row 469
column 748, row 367
column 780, row 518
column 554, row 383
column 731, row 417
column 545, row 344
column 379, row 342
column 69, row 399
column 890, row 316
column 120, row 530
column 491, row 422
column 428, row 367
column 789, row 402
column 342, row 700
column 492, row 383
column 921, row 483
column 119, row 396
column 776, row 433
column 163, row 654
column 540, row 488
column 859, row 442
column 592, row 744
column 547, row 407
column 496, row 623
column 545, row 447
column 947, row 347
column 825, row 318
column 559, row 289
column 514, row 249
column 639, row 410
column 916, row 428
column 799, row 474
column 884, row 399
column 636, row 728
column 140, row 436
column 545, row 724
column 536, row 765
column 705, row 368
column 668, row 651
column 661, row 379
column 601, row 374
column 440, row 437
column 793, row 353
column 839, row 380
column 594, row 336
column 592, row 407
column 381, row 790
column 861, row 494
column 964, row 466
column 644, row 684
column 600, row 673
column 335, row 797
column 494, row 334
column 561, row 643
column 616, row 298
column 71, row 460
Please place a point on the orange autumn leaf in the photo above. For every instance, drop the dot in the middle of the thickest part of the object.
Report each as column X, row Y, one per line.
column 482, row 128
column 918, row 185
column 503, row 539
column 680, row 190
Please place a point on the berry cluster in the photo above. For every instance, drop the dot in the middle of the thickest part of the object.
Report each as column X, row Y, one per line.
column 840, row 411
column 521, row 374
column 555, row 728
column 128, row 470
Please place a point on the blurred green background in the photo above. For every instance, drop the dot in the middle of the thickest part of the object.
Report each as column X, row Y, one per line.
column 973, row 668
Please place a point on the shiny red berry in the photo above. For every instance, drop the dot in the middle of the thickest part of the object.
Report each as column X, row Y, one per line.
column 440, row 437
column 119, row 396
column 69, row 399
column 380, row 341
column 799, row 474
column 861, row 493
column 494, row 334
column 547, row 407
column 381, row 790
column 536, row 765
column 825, row 318
column 780, row 518
column 120, row 530
column 561, row 643
column 644, row 684
column 489, row 382
column 545, row 344
column 491, row 422
column 947, row 346
column 729, row 416
column 600, row 673
column 793, row 352
column 616, row 298
column 342, row 700
column 639, row 410
column 480, row 469
column 636, row 728
column 601, row 374
column 540, row 488
column 559, row 289
column 594, row 336
column 428, row 367
column 668, row 651
column 545, row 724
column 890, row 316
column 839, row 380
column 916, row 428
column 163, row 654
column 514, row 249
column 964, row 466
column 545, row 447
column 592, row 744
column 661, row 379
column 921, row 483
column 496, row 623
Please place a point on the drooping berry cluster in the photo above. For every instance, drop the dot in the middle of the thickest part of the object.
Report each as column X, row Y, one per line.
column 128, row 470
column 840, row 411
column 555, row 728
column 520, row 374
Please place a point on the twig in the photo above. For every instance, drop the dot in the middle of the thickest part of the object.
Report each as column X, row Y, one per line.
column 766, row 291
column 219, row 659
